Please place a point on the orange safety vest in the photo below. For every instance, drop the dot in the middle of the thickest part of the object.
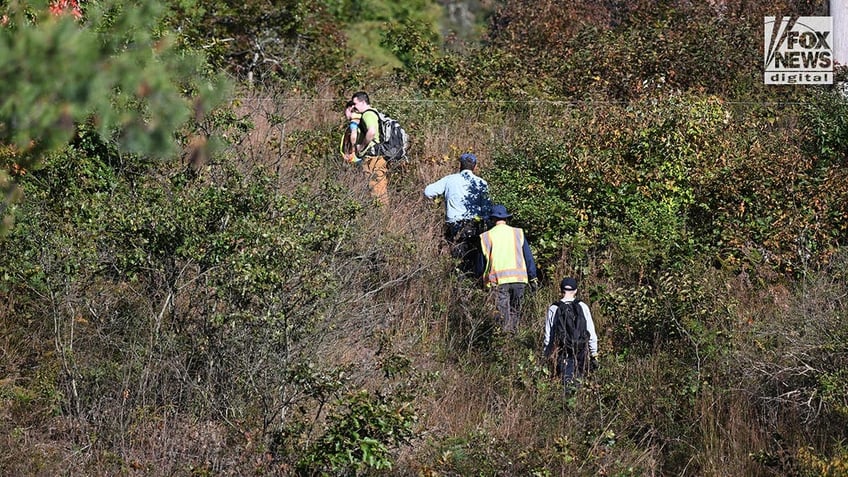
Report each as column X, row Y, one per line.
column 503, row 247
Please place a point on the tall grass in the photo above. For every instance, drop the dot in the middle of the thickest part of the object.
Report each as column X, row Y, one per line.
column 748, row 389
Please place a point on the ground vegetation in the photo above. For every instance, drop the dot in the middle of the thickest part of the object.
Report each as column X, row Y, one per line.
column 236, row 304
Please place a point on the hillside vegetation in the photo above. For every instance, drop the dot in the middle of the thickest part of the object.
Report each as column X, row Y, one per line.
column 242, row 307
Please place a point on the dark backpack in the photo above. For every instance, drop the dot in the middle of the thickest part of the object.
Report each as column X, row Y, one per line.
column 393, row 139
column 570, row 324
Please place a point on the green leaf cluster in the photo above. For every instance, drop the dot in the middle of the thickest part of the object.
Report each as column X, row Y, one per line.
column 360, row 435
column 115, row 69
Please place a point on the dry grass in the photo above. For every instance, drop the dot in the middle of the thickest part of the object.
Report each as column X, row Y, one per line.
column 728, row 437
column 476, row 390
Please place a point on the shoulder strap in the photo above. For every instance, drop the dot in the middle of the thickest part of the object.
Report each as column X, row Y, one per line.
column 372, row 110
column 558, row 324
column 581, row 320
column 575, row 305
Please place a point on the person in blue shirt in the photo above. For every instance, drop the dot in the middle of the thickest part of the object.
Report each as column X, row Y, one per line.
column 351, row 137
column 467, row 208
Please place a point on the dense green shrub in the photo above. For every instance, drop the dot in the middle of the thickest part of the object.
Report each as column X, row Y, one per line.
column 417, row 47
column 113, row 69
column 262, row 44
column 651, row 184
column 627, row 188
column 630, row 50
column 360, row 436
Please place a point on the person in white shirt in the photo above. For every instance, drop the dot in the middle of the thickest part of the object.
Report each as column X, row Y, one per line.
column 569, row 328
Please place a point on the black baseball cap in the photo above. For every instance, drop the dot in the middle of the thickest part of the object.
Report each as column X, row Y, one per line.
column 568, row 284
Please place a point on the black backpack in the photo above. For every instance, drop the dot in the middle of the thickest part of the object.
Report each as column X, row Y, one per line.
column 393, row 139
column 570, row 324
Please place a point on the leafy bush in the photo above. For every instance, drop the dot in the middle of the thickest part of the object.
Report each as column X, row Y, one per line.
column 261, row 44
column 417, row 47
column 359, row 435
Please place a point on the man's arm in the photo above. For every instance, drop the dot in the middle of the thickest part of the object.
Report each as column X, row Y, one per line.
column 435, row 189
column 528, row 260
column 549, row 330
column 372, row 122
column 369, row 135
column 590, row 327
column 485, row 255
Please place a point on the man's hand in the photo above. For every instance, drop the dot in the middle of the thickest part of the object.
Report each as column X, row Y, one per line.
column 534, row 285
column 593, row 362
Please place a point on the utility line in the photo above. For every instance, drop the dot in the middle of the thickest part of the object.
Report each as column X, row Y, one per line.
column 552, row 102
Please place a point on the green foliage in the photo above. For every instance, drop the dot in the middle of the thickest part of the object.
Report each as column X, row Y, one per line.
column 834, row 389
column 824, row 120
column 477, row 453
column 627, row 50
column 114, row 51
column 294, row 41
column 376, row 46
column 650, row 184
column 383, row 10
column 219, row 276
column 360, row 434
column 632, row 197
column 417, row 47
column 115, row 70
column 813, row 465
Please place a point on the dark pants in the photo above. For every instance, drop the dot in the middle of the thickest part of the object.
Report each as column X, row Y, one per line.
column 464, row 240
column 573, row 364
column 509, row 304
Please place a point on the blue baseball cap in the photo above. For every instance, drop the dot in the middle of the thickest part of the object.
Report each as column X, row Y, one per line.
column 468, row 157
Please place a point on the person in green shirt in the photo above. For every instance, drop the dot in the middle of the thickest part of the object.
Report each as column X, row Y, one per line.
column 374, row 165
